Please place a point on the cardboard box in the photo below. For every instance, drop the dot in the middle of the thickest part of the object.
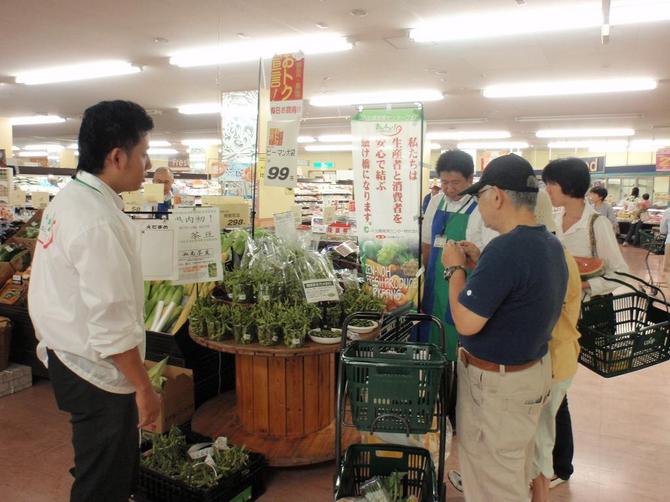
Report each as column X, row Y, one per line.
column 15, row 378
column 177, row 405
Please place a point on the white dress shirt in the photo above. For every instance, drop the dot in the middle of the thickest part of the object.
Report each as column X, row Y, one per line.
column 86, row 296
column 476, row 232
column 577, row 242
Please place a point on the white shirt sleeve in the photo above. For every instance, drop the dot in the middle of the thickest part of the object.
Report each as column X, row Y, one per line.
column 427, row 225
column 607, row 248
column 475, row 230
column 107, row 289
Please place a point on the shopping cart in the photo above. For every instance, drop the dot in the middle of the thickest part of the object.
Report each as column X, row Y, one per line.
column 392, row 386
column 625, row 332
column 654, row 243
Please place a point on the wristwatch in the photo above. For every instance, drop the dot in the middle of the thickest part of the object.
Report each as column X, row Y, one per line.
column 449, row 271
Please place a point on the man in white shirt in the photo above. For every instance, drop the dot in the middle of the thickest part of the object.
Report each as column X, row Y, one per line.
column 86, row 303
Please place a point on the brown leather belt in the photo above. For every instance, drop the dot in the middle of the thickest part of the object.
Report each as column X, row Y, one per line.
column 469, row 359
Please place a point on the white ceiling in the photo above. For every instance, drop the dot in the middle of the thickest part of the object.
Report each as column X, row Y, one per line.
column 43, row 33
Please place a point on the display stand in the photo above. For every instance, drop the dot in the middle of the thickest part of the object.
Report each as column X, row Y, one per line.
column 284, row 403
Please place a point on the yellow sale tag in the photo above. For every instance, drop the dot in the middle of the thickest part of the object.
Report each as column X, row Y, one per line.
column 154, row 192
column 234, row 211
column 40, row 199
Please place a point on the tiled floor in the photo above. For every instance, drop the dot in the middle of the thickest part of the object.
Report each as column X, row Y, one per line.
column 621, row 427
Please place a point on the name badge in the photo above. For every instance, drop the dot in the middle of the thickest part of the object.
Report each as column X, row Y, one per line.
column 440, row 241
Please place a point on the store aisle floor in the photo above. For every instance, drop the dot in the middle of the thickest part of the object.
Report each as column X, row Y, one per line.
column 621, row 427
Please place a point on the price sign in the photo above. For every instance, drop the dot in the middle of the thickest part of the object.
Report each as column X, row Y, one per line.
column 234, row 212
column 282, row 154
column 154, row 192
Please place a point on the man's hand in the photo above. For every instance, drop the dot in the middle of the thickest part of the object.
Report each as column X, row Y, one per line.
column 148, row 406
column 452, row 255
column 472, row 253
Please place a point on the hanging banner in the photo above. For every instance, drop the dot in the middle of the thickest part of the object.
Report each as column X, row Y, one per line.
column 596, row 164
column 386, row 163
column 239, row 111
column 198, row 244
column 663, row 159
column 286, row 86
column 282, row 154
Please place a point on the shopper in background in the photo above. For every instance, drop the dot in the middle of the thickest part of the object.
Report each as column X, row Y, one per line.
column 584, row 233
column 87, row 305
column 434, row 190
column 630, row 201
column 665, row 230
column 450, row 216
column 638, row 216
column 564, row 350
column 164, row 176
column 597, row 196
column 505, row 312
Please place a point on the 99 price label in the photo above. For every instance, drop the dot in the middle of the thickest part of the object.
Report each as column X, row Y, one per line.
column 281, row 176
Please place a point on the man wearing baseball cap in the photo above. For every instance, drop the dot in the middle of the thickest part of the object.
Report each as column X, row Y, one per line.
column 504, row 313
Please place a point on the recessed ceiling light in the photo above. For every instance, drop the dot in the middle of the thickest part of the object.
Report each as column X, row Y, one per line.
column 584, row 133
column 569, row 87
column 379, row 97
column 358, row 12
column 36, row 120
column 71, row 73
column 318, row 43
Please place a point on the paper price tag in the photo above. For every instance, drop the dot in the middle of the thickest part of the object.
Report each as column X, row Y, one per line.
column 154, row 192
column 320, row 290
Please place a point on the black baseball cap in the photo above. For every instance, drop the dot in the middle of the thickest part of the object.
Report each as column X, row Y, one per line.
column 509, row 172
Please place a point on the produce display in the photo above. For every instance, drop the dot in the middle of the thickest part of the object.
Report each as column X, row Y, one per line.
column 167, row 307
column 263, row 300
column 169, row 455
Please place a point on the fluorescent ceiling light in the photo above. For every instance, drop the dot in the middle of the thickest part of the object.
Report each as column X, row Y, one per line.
column 73, row 146
column 70, row 73
column 158, row 143
column 519, row 21
column 493, row 145
column 572, row 118
column 162, row 151
column 306, row 139
column 36, row 120
column 465, row 135
column 569, row 87
column 256, row 49
column 329, row 148
column 49, row 147
column 584, row 133
column 648, row 145
column 335, row 138
column 15, row 148
column 434, row 146
column 200, row 108
column 381, row 97
column 33, row 153
column 587, row 144
column 201, row 142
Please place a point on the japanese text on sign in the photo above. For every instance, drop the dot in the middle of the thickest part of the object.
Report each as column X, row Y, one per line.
column 198, row 244
column 286, row 80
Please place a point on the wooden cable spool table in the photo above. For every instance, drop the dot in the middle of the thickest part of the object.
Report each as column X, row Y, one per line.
column 284, row 402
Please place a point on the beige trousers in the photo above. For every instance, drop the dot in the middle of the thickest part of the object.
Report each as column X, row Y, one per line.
column 497, row 415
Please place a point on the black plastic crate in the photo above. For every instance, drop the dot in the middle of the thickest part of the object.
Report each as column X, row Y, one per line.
column 243, row 486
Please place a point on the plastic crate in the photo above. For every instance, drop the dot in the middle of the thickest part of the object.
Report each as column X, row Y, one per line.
column 623, row 333
column 393, row 387
column 362, row 462
column 245, row 485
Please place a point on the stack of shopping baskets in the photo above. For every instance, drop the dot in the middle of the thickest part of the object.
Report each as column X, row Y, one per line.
column 392, row 387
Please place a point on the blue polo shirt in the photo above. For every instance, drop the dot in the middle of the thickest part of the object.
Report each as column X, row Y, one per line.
column 519, row 286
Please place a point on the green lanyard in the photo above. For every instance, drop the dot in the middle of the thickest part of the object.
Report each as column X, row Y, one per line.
column 87, row 185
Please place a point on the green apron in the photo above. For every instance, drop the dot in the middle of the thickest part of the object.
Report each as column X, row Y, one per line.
column 453, row 226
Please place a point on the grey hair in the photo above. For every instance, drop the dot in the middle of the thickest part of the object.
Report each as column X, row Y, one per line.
column 524, row 199
column 161, row 170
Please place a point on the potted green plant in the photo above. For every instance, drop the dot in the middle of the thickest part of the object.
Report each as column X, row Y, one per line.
column 241, row 321
column 295, row 324
column 268, row 322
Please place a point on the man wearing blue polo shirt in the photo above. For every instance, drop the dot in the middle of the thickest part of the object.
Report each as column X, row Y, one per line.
column 504, row 313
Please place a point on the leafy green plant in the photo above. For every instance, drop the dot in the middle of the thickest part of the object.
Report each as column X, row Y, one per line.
column 241, row 321
column 295, row 324
column 268, row 322
column 239, row 285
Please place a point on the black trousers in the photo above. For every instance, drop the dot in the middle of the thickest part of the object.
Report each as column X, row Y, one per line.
column 104, row 436
column 564, row 448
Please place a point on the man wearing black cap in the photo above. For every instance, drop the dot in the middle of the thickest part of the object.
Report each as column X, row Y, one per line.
column 504, row 313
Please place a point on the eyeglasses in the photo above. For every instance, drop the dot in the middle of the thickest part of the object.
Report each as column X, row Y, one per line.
column 479, row 194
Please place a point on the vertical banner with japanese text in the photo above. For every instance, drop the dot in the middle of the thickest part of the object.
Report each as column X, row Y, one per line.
column 286, row 86
column 386, row 164
column 239, row 111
